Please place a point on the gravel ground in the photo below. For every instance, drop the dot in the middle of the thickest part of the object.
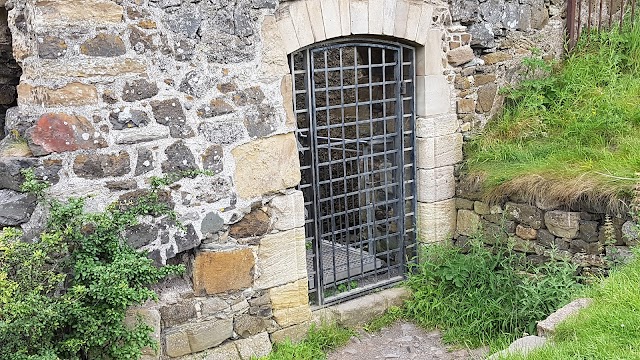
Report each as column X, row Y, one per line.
column 402, row 341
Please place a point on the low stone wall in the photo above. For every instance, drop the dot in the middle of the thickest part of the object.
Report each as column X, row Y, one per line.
column 590, row 238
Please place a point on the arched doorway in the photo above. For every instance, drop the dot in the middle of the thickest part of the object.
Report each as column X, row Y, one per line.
column 354, row 100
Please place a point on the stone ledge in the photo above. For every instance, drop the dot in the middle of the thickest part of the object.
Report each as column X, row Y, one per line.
column 547, row 326
column 360, row 311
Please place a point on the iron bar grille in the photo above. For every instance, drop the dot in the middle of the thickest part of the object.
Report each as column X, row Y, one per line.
column 586, row 16
column 354, row 104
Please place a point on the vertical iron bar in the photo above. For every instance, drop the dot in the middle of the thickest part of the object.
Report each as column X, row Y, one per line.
column 344, row 169
column 571, row 18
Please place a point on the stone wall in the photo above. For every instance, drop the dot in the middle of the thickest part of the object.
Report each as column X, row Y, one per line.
column 9, row 69
column 486, row 43
column 590, row 237
column 114, row 92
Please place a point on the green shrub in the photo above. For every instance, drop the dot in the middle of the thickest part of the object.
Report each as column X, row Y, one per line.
column 485, row 296
column 319, row 340
column 65, row 296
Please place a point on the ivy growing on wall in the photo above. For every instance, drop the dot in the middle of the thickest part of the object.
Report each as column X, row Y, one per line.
column 65, row 295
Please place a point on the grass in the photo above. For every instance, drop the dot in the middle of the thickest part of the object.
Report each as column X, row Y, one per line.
column 319, row 341
column 487, row 296
column 608, row 329
column 572, row 134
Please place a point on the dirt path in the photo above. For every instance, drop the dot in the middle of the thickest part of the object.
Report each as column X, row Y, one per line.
column 402, row 341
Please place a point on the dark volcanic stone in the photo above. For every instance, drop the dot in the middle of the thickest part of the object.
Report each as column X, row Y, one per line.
column 15, row 208
column 104, row 45
column 179, row 158
column 128, row 119
column 97, row 166
column 255, row 223
column 261, row 121
column 187, row 240
column 139, row 90
column 141, row 235
column 212, row 159
column 169, row 112
column 145, row 161
column 51, row 47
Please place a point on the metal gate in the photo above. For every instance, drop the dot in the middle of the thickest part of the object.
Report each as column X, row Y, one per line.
column 354, row 105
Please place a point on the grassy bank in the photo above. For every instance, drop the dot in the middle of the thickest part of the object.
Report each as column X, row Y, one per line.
column 608, row 329
column 572, row 133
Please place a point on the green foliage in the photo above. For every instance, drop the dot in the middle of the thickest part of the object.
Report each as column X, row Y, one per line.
column 581, row 119
column 65, row 296
column 608, row 329
column 318, row 342
column 392, row 315
column 32, row 184
column 486, row 296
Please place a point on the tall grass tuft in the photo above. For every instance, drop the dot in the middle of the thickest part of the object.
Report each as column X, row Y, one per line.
column 487, row 296
column 581, row 121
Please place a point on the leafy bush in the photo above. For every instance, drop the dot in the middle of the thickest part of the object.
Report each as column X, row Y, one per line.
column 487, row 295
column 65, row 296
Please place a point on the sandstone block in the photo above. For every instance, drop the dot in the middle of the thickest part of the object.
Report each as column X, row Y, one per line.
column 436, row 184
column 389, row 18
column 496, row 57
column 97, row 166
column 376, row 16
column 432, row 95
column 464, row 204
column 255, row 347
column 438, row 152
column 216, row 272
column 228, row 351
column 466, row 106
column 207, row 334
column 481, row 208
column 295, row 333
column 401, row 15
column 290, row 303
column 563, row 224
column 83, row 68
column 460, row 56
column 73, row 12
column 486, row 96
column 525, row 214
column 331, row 18
column 287, row 211
column 247, row 326
column 345, row 16
column 359, row 10
column 266, row 165
column 426, row 20
column 360, row 311
column 255, row 223
column 482, row 79
column 150, row 318
column 281, row 259
column 176, row 343
column 317, row 24
column 287, row 30
column 468, row 222
column 434, row 126
column 429, row 57
column 72, row 94
column 54, row 133
column 301, row 22
column 547, row 326
column 436, row 221
column 526, row 233
column 521, row 346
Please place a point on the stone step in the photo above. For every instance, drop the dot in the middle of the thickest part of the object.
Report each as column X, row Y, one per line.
column 547, row 326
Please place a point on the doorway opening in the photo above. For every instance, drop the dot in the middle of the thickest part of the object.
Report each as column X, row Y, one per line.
column 355, row 111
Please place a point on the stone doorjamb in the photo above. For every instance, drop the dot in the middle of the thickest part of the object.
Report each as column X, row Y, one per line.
column 300, row 23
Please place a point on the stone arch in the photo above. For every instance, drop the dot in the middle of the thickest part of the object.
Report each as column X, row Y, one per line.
column 301, row 23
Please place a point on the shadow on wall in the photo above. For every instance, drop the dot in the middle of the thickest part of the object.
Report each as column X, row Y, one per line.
column 9, row 70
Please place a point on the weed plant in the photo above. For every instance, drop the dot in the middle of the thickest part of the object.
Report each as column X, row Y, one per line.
column 573, row 132
column 608, row 329
column 319, row 340
column 66, row 294
column 486, row 296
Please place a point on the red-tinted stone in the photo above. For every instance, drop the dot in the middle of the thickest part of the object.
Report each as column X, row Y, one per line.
column 55, row 133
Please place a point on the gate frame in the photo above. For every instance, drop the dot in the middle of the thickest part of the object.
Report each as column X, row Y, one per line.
column 300, row 23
